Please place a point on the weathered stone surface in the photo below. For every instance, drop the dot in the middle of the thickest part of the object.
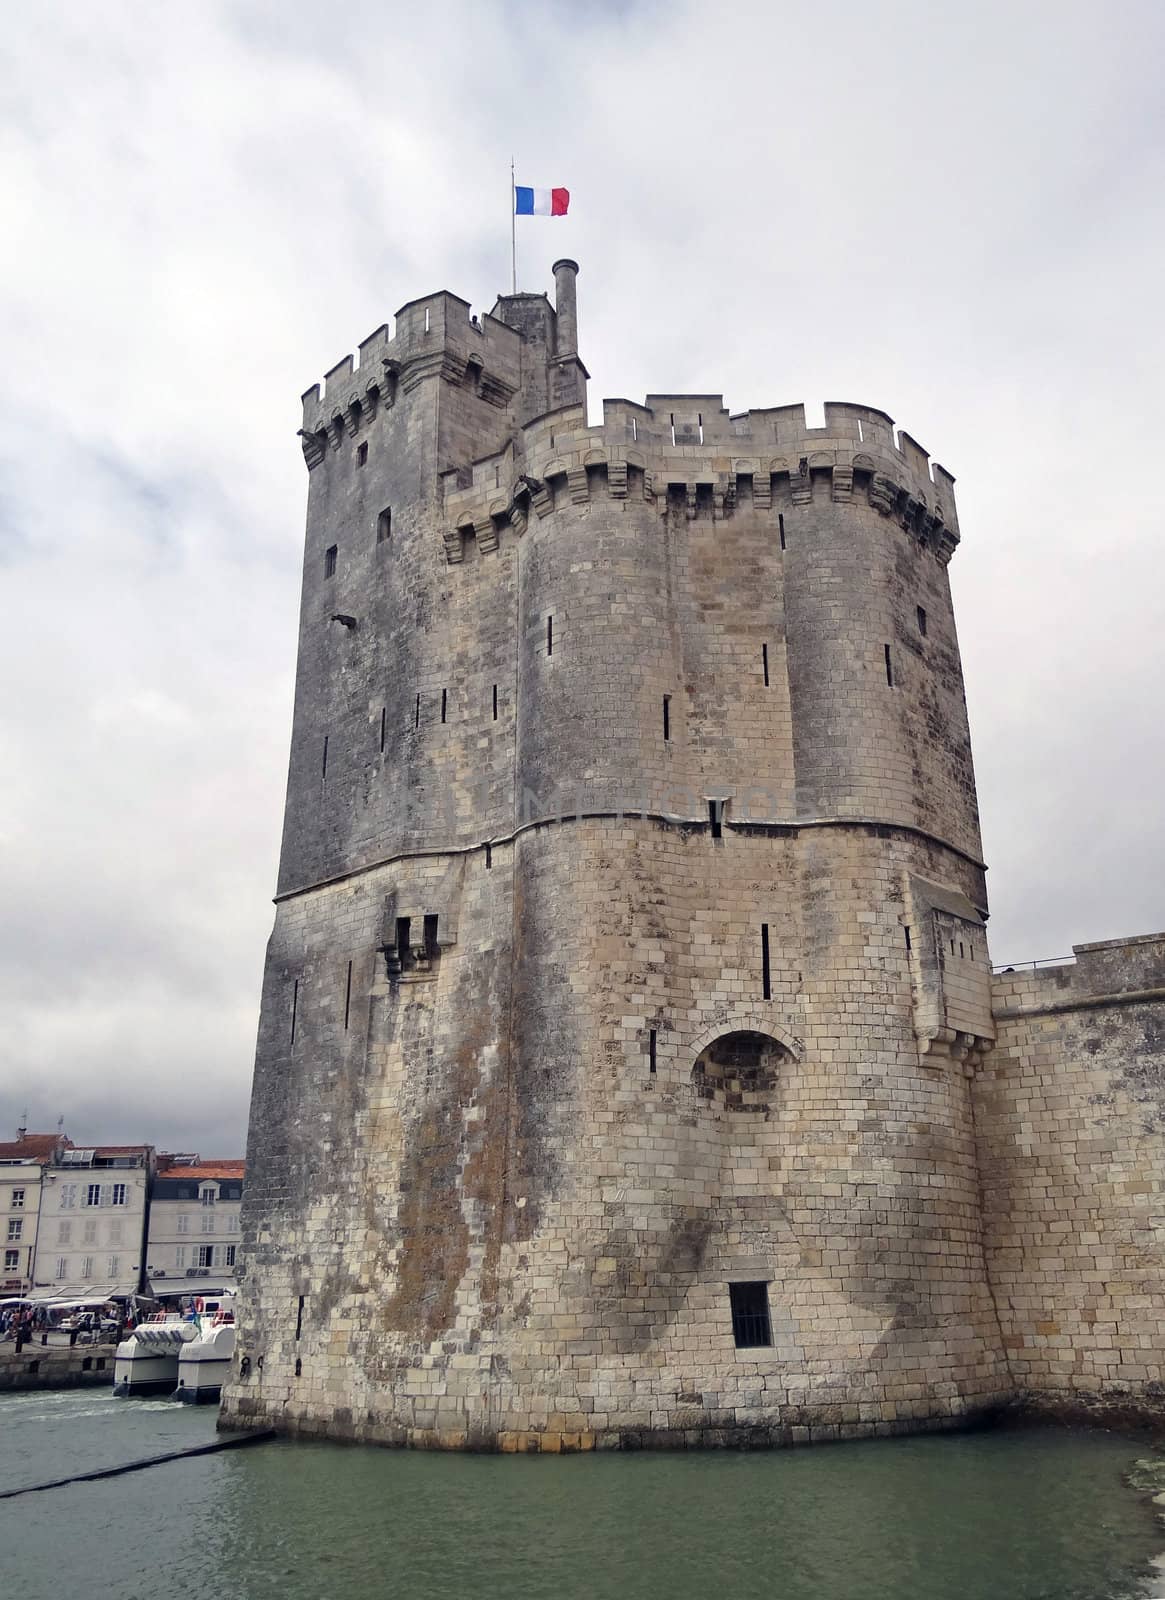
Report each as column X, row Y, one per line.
column 629, row 939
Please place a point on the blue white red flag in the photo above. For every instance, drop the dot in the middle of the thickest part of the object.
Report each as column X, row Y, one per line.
column 540, row 202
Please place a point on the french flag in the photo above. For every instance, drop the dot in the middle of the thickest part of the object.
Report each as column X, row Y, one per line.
column 540, row 202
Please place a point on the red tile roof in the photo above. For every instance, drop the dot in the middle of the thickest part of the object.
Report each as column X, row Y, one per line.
column 206, row 1169
column 33, row 1147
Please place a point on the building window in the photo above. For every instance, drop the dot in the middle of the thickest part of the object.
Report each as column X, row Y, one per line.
column 113, row 1233
column 209, row 1196
column 921, row 620
column 90, row 1232
column 208, row 1222
column 180, row 1256
column 87, row 1267
column 64, row 1233
column 15, row 1227
column 361, row 454
column 68, row 1196
column 114, row 1266
column 330, row 561
column 384, row 525
column 118, row 1195
column 183, row 1222
column 750, row 1315
column 229, row 1255
column 62, row 1268
column 17, row 1200
column 233, row 1222
column 12, row 1260
column 205, row 1255
column 93, row 1194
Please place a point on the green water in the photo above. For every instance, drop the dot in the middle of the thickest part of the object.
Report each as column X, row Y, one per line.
column 1031, row 1515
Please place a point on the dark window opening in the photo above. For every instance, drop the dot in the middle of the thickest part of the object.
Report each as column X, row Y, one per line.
column 961, row 952
column 33, row 1368
column 294, row 1007
column 330, row 560
column 348, row 998
column 667, row 716
column 361, row 454
column 889, row 666
column 489, row 858
column 417, row 714
column 751, row 1327
column 324, row 766
column 383, row 716
column 952, row 947
column 716, row 818
column 299, row 1317
column 651, row 1051
column 402, row 942
column 100, row 1363
column 298, row 1367
column 431, row 949
column 550, row 636
column 781, row 528
column 764, row 656
column 495, row 702
column 384, row 525
column 444, row 702
column 87, row 1364
column 766, row 981
column 922, row 622
column 906, row 931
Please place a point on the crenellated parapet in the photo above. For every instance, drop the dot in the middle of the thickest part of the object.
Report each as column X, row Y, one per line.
column 435, row 336
column 688, row 449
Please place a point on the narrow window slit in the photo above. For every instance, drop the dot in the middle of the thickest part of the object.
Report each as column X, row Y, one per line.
column 667, row 716
column 294, row 1007
column 766, row 981
column 299, row 1366
column 764, row 656
column 651, row 1051
column 402, row 941
column 906, row 931
column 348, row 999
column 299, row 1317
column 444, row 702
column 361, row 454
column 430, row 935
column 921, row 620
column 330, row 560
column 383, row 717
column 489, row 857
column 781, row 527
column 550, row 636
column 716, row 817
column 417, row 714
column 889, row 666
column 495, row 702
column 324, row 763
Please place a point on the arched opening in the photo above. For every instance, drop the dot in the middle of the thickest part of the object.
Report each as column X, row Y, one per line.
column 739, row 1071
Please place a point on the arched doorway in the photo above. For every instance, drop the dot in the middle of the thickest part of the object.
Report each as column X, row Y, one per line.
column 740, row 1071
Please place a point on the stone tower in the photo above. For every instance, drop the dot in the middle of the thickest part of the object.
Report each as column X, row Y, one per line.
column 629, row 964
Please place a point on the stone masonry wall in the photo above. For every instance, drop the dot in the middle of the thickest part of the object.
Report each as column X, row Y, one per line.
column 1070, row 1111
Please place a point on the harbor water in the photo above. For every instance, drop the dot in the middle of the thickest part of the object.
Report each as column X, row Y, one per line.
column 1032, row 1514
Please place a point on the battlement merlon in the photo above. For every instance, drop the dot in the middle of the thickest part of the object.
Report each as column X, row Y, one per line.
column 694, row 442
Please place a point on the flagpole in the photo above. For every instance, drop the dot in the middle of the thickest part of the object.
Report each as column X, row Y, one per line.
column 513, row 232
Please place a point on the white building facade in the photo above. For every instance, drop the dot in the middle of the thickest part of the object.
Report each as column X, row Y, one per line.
column 94, row 1205
column 21, row 1165
column 194, row 1226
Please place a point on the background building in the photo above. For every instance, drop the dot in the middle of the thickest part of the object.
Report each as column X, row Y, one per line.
column 194, row 1225
column 94, row 1204
column 21, row 1166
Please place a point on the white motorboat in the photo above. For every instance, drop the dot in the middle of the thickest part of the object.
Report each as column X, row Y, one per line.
column 203, row 1364
column 146, row 1361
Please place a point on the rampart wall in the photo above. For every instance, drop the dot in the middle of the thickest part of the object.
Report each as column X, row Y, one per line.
column 1070, row 1111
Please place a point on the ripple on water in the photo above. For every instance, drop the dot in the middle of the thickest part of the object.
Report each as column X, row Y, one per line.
column 1032, row 1515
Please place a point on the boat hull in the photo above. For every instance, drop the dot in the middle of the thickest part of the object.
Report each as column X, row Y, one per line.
column 140, row 1374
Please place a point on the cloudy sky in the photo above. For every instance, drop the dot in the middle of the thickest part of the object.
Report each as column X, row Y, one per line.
column 953, row 213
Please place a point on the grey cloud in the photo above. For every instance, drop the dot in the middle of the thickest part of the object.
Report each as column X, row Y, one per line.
column 947, row 213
